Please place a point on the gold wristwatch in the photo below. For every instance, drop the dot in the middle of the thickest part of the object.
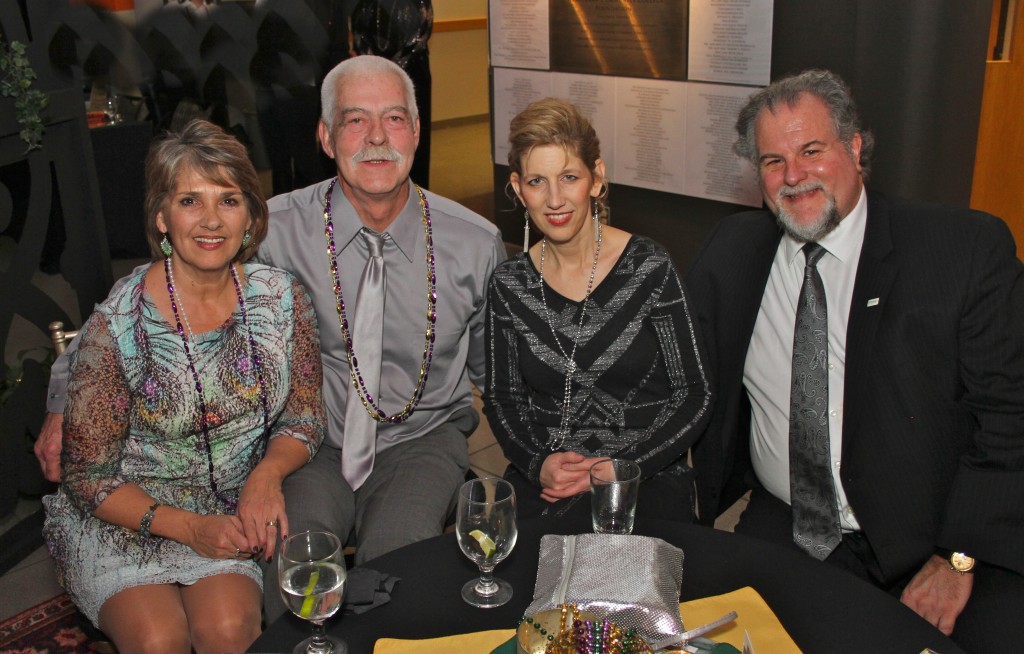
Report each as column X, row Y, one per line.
column 959, row 562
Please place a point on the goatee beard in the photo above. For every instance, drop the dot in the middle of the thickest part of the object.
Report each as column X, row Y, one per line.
column 814, row 231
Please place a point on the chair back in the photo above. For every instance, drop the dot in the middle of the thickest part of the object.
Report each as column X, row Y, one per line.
column 60, row 337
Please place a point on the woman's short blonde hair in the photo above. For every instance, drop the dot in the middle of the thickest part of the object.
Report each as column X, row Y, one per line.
column 215, row 155
column 553, row 121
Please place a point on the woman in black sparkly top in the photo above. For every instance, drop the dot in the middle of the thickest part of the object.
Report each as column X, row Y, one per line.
column 592, row 349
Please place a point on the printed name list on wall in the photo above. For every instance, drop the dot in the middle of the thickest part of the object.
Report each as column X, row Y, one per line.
column 661, row 81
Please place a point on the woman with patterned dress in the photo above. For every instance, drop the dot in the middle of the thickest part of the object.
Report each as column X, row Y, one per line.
column 194, row 391
column 593, row 351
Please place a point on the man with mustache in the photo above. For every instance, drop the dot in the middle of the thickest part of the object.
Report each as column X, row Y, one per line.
column 395, row 454
column 432, row 247
column 884, row 342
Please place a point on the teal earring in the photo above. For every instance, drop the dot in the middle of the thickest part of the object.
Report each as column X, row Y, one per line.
column 246, row 239
column 165, row 246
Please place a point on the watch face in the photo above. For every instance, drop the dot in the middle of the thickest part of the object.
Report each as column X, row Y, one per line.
column 961, row 562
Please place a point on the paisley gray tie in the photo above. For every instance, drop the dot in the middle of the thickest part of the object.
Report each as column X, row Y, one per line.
column 812, row 494
column 360, row 441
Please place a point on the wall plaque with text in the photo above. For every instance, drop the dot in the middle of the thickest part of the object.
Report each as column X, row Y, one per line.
column 633, row 38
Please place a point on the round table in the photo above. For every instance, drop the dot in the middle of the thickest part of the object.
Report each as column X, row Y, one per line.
column 823, row 609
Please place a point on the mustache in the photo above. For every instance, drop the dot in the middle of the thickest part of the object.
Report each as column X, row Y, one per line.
column 377, row 153
column 788, row 191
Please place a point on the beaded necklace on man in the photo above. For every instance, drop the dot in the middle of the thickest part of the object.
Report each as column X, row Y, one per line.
column 570, row 359
column 372, row 407
column 179, row 311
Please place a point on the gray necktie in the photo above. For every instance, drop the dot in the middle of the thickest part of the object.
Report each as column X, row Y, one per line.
column 360, row 441
column 812, row 494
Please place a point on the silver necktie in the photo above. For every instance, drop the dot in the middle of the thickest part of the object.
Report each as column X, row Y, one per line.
column 360, row 440
column 812, row 494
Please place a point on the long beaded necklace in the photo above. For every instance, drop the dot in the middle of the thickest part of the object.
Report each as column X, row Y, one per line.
column 570, row 359
column 254, row 357
column 181, row 306
column 365, row 396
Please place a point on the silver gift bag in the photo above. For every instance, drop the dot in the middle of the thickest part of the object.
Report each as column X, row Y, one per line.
column 633, row 581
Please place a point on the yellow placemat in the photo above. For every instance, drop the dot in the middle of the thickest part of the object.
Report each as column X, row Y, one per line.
column 766, row 632
column 482, row 641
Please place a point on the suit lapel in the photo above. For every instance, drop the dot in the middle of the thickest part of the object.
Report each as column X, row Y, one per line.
column 749, row 274
column 755, row 265
column 875, row 276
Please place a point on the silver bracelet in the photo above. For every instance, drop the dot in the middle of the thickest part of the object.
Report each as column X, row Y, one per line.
column 147, row 521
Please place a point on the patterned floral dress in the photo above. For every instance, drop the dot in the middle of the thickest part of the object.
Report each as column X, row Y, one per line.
column 133, row 417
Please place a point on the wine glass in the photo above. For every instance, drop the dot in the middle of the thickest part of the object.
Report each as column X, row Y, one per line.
column 312, row 576
column 486, row 529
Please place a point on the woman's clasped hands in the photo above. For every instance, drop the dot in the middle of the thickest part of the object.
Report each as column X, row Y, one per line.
column 564, row 474
column 261, row 512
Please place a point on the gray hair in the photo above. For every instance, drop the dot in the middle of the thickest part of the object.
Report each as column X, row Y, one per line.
column 822, row 84
column 362, row 66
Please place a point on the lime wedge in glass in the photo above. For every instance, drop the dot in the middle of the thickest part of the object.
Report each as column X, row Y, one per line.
column 307, row 604
column 485, row 541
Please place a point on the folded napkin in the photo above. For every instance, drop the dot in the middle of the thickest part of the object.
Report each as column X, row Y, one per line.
column 766, row 632
column 367, row 589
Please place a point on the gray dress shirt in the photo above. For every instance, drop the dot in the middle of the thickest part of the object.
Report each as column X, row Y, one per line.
column 466, row 250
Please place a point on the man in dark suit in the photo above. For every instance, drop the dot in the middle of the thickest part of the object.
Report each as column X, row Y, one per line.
column 904, row 401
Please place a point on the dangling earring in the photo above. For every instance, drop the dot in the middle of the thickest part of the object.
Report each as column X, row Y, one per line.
column 246, row 239
column 526, row 231
column 597, row 222
column 165, row 246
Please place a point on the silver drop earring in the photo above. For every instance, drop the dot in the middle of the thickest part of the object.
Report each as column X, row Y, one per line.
column 597, row 222
column 526, row 231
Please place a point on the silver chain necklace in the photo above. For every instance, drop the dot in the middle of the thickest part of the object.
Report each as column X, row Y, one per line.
column 570, row 359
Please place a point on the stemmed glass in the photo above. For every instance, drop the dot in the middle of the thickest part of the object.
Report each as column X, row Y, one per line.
column 486, row 529
column 311, row 570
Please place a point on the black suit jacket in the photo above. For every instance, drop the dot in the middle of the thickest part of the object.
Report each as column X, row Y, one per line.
column 933, row 431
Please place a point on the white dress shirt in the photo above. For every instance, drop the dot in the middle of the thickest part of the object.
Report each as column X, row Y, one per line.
column 768, row 369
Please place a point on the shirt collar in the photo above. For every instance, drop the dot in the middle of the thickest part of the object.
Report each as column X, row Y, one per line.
column 843, row 242
column 404, row 232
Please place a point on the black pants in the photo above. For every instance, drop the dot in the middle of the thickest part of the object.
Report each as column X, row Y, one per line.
column 989, row 623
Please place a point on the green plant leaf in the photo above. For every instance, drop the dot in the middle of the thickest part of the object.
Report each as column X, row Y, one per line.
column 16, row 77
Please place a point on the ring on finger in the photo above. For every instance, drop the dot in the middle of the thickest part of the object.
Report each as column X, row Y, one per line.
column 238, row 553
column 271, row 523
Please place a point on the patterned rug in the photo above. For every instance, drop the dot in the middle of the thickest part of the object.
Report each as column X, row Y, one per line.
column 53, row 627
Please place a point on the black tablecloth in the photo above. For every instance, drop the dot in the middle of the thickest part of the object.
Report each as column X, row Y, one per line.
column 822, row 608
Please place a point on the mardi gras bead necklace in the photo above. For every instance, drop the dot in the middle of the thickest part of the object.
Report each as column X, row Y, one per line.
column 371, row 406
column 179, row 310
